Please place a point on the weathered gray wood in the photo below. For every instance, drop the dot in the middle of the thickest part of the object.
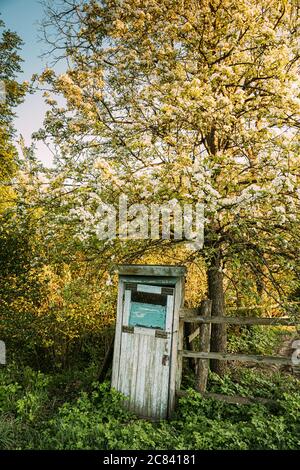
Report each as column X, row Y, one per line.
column 151, row 270
column 163, row 281
column 202, row 365
column 238, row 357
column 144, row 367
column 233, row 399
column 242, row 320
column 188, row 312
column 178, row 359
column 118, row 332
column 194, row 335
column 177, row 343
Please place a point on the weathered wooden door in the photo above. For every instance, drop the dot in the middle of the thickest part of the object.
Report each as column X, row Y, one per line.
column 145, row 349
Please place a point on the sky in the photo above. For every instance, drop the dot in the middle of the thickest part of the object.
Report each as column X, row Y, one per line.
column 23, row 16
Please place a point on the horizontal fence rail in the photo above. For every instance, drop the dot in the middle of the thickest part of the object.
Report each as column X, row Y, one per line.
column 241, row 320
column 198, row 324
column 237, row 357
column 196, row 310
column 193, row 315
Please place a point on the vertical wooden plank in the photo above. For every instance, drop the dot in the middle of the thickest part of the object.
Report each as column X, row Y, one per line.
column 165, row 376
column 133, row 379
column 169, row 316
column 141, row 374
column 144, row 392
column 124, row 346
column 202, row 365
column 179, row 357
column 127, row 299
column 153, row 364
column 135, row 373
column 165, row 359
column 117, row 342
column 175, row 374
column 125, row 364
column 149, row 385
column 138, row 349
column 156, row 374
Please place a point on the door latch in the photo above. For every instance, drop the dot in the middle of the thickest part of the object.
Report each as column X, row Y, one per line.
column 165, row 360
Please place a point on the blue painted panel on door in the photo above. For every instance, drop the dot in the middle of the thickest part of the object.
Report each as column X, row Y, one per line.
column 147, row 315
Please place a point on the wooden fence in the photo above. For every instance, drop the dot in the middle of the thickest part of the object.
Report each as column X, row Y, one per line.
column 202, row 320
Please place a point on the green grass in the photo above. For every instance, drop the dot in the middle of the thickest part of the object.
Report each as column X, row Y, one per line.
column 69, row 411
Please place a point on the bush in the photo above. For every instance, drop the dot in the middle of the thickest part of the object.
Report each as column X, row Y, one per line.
column 38, row 412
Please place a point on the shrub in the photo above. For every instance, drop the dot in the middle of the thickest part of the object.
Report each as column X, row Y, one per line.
column 38, row 412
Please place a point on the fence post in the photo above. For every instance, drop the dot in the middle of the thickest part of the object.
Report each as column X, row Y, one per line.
column 202, row 365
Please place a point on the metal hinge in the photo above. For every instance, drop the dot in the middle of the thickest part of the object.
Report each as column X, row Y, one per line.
column 127, row 329
column 165, row 360
column 161, row 334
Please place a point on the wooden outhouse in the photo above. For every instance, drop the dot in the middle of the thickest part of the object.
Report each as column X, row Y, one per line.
column 145, row 366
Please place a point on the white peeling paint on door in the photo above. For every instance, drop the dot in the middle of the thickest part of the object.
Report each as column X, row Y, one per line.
column 144, row 367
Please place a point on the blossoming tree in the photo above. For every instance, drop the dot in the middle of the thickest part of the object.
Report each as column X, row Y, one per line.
column 197, row 101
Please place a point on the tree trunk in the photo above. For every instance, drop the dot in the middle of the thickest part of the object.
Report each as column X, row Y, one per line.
column 216, row 294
